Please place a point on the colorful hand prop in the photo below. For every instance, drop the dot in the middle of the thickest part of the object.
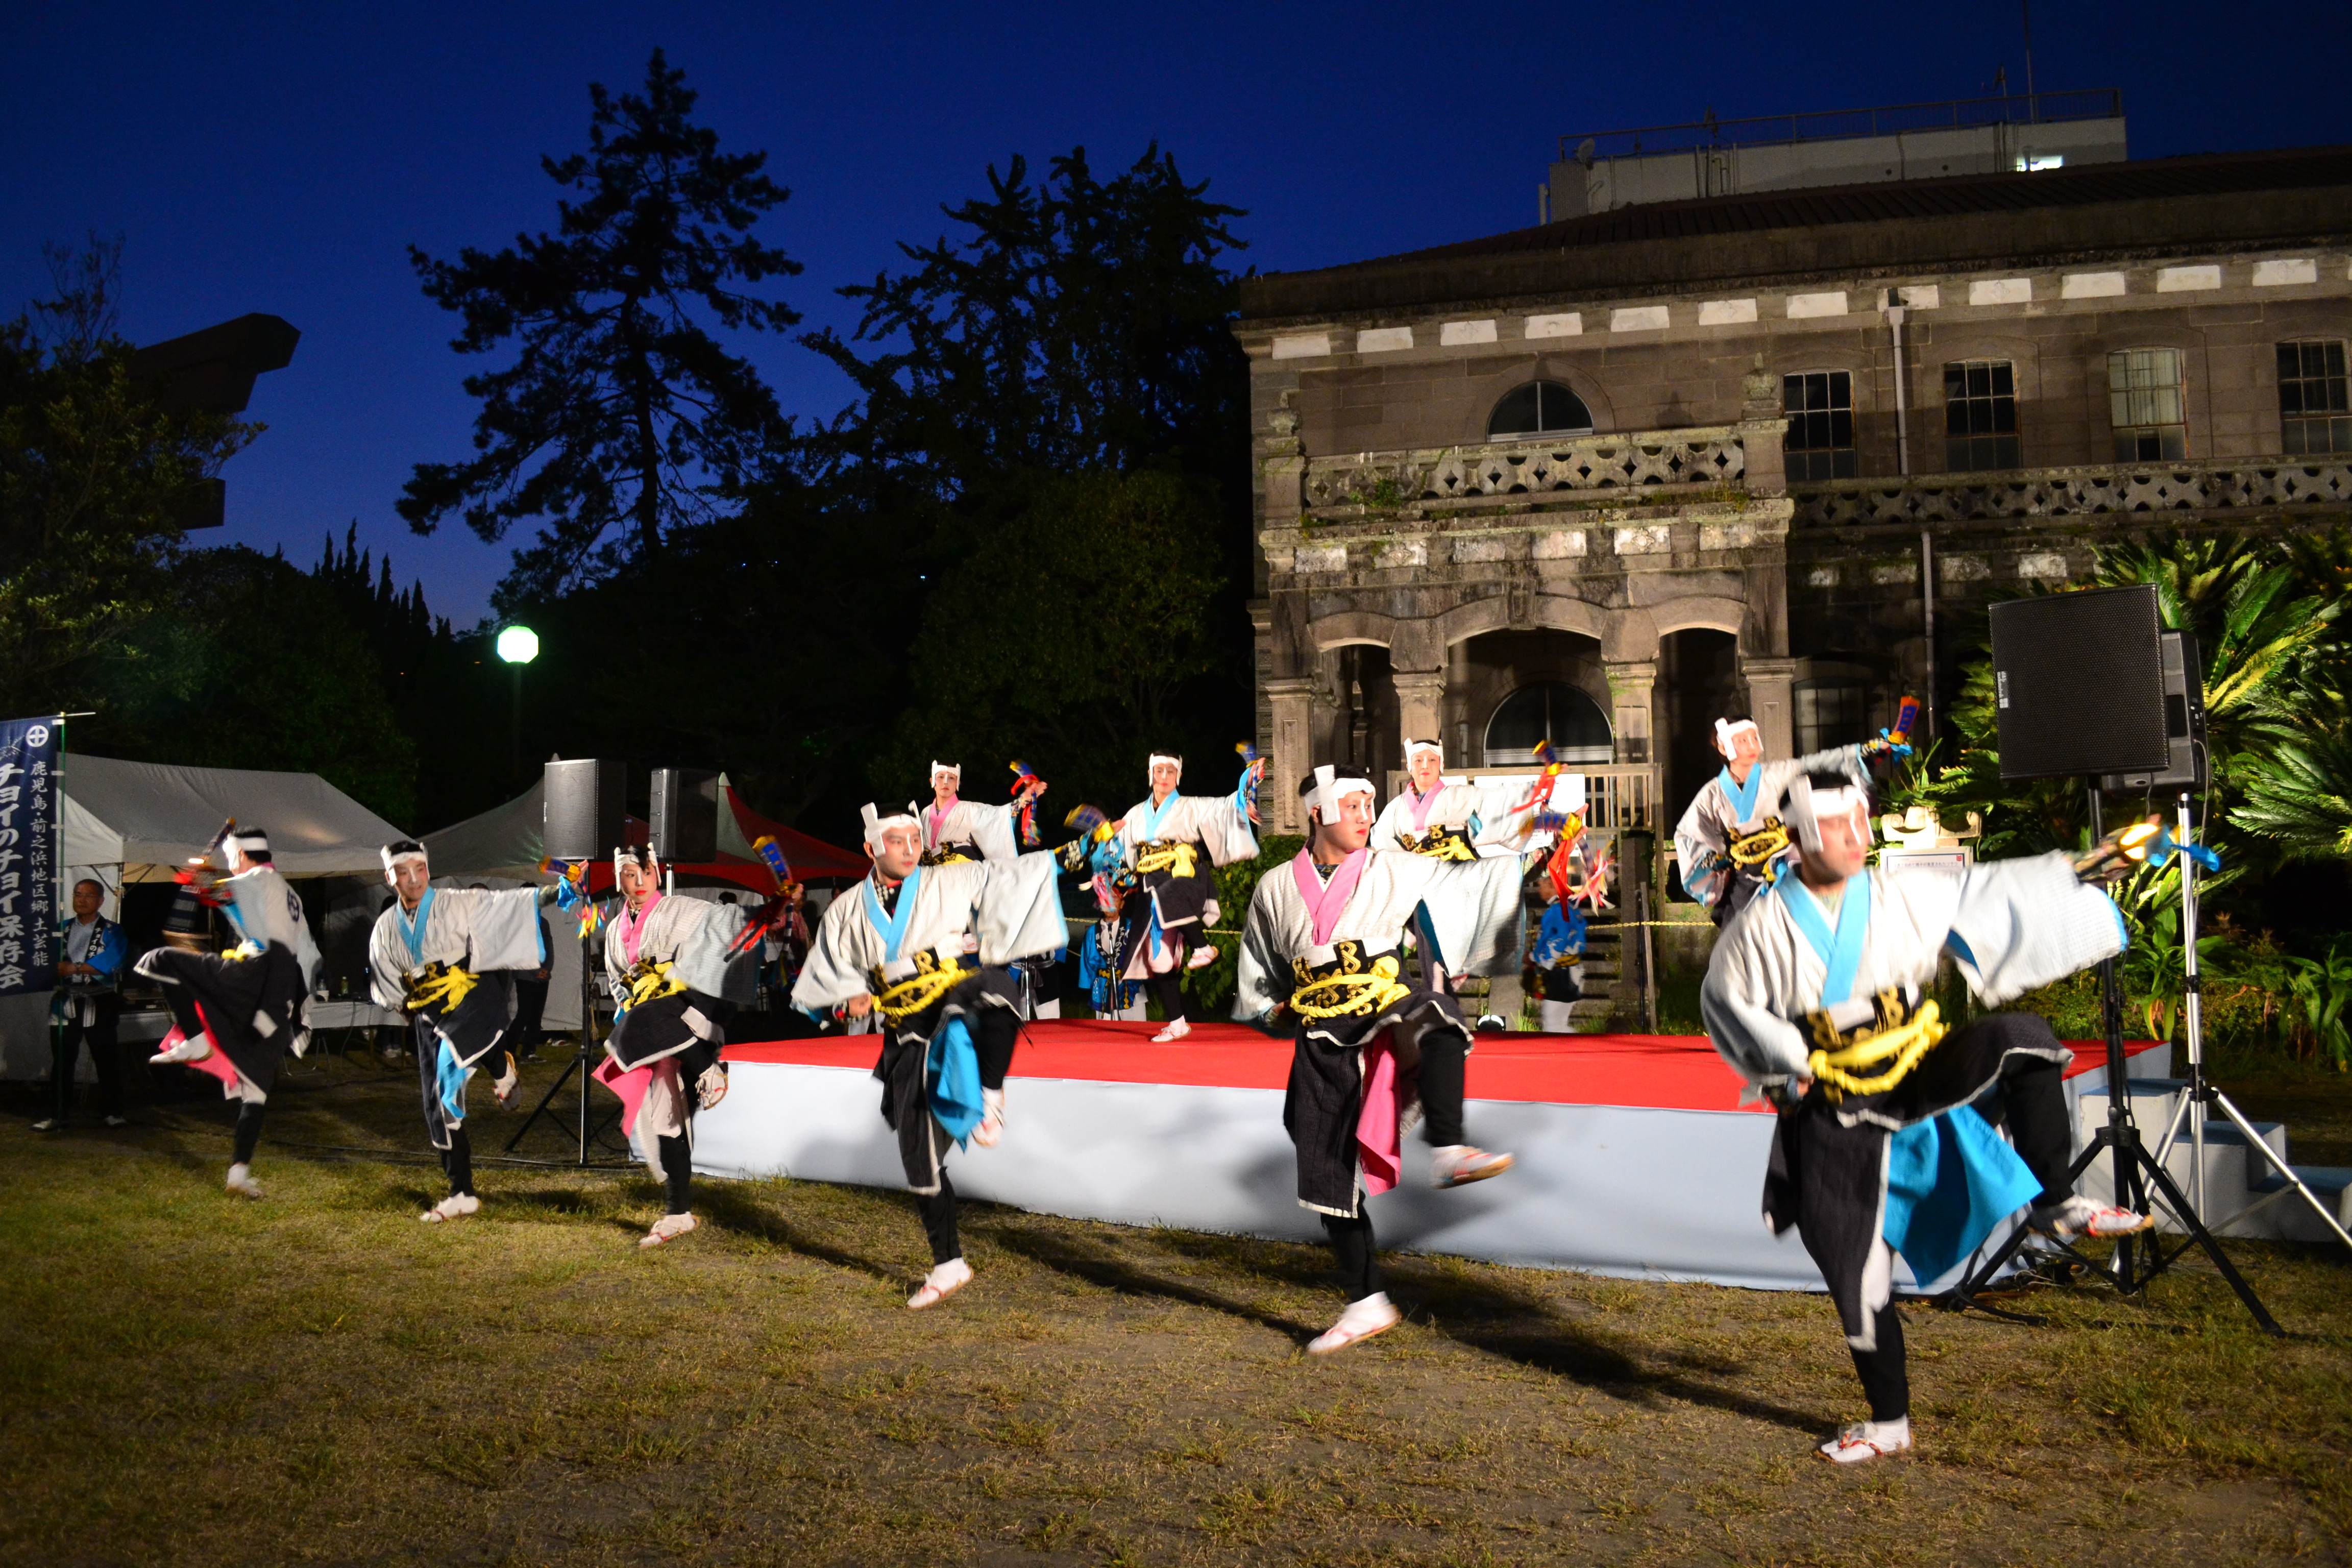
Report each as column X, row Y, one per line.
column 2114, row 857
column 772, row 855
column 1895, row 742
column 1253, row 773
column 1026, row 787
column 1539, row 792
column 1591, row 888
column 1092, row 828
column 572, row 894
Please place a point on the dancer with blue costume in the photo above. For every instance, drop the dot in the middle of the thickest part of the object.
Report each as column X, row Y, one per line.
column 1816, row 995
column 1170, row 843
column 1728, row 837
column 926, row 947
column 443, row 958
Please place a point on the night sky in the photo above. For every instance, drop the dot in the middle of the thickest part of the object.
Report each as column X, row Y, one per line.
column 280, row 158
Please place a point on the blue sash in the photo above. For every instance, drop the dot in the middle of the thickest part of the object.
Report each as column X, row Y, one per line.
column 1842, row 952
column 1742, row 796
column 414, row 934
column 1153, row 816
column 892, row 926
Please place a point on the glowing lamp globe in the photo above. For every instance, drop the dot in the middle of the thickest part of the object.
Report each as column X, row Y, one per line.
column 517, row 645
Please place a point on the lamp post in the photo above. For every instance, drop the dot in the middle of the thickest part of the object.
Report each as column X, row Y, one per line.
column 517, row 646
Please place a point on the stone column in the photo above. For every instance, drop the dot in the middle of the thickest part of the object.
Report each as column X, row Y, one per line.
column 1632, row 696
column 1290, row 755
column 1420, row 710
column 1772, row 702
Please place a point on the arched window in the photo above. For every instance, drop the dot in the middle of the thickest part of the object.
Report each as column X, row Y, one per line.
column 1553, row 711
column 1539, row 408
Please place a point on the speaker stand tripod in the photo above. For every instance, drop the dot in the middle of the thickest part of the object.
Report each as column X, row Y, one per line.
column 2139, row 1177
column 582, row 1064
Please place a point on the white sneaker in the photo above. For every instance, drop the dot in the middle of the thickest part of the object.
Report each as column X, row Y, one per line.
column 47, row 1124
column 667, row 1229
column 991, row 1119
column 456, row 1206
column 241, row 1181
column 1459, row 1164
column 508, row 1088
column 184, row 1051
column 1175, row 1031
column 941, row 1283
column 2078, row 1216
column 1374, row 1314
column 1867, row 1440
column 118, row 1121
column 710, row 1088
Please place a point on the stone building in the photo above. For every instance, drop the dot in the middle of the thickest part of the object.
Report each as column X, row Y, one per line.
column 1608, row 477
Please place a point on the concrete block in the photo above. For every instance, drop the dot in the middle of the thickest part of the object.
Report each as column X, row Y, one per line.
column 1638, row 319
column 2176, row 279
column 2045, row 566
column 1567, row 324
column 1383, row 340
column 1301, row 345
column 2091, row 285
column 1567, row 544
column 2002, row 291
column 1454, row 332
column 1320, row 558
column 1726, row 312
column 1831, row 304
column 1469, row 550
column 1655, row 539
column 2280, row 273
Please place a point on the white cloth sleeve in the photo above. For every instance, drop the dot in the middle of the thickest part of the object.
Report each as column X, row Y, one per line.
column 1734, row 1005
column 1262, row 977
column 831, row 976
column 992, row 832
column 2024, row 925
column 1474, row 910
column 702, row 962
column 1225, row 829
column 1018, row 910
column 386, row 952
column 505, row 930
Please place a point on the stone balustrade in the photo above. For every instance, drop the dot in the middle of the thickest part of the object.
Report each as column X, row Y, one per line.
column 1701, row 457
column 2213, row 486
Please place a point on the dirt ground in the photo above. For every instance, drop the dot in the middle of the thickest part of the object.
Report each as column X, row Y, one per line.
column 318, row 1377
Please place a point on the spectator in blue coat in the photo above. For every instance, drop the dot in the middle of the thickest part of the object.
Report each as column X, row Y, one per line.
column 85, row 1006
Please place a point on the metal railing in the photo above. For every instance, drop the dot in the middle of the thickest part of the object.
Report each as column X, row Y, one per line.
column 1619, row 797
column 1845, row 125
column 2197, row 485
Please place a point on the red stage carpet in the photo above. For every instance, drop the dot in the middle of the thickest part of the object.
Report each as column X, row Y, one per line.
column 1658, row 1072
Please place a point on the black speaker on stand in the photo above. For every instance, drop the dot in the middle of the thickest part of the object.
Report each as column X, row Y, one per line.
column 682, row 822
column 583, row 810
column 2079, row 689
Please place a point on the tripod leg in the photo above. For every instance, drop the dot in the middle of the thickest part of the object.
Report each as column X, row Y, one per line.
column 2203, row 1238
column 537, row 1110
column 2286, row 1172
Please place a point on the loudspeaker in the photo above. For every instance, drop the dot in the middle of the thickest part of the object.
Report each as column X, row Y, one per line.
column 682, row 824
column 583, row 804
column 2078, row 684
column 2184, row 721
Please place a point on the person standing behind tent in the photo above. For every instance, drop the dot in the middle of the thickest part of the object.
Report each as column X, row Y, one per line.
column 86, row 1005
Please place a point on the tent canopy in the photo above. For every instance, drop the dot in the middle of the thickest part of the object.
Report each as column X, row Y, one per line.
column 152, row 818
column 506, row 841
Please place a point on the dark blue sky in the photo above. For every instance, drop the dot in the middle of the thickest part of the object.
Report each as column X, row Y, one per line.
column 278, row 158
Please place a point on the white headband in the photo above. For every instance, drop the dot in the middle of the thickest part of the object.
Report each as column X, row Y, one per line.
column 1160, row 757
column 1724, row 731
column 875, row 822
column 392, row 860
column 1804, row 808
column 1414, row 748
column 629, row 854
column 955, row 768
column 1329, row 789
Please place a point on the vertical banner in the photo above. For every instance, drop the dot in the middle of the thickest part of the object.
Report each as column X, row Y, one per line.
column 28, row 846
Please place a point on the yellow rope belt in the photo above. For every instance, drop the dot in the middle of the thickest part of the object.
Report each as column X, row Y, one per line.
column 651, row 983
column 439, row 986
column 1351, row 995
column 911, row 997
column 1184, row 859
column 1760, row 847
column 1906, row 1043
column 1438, row 844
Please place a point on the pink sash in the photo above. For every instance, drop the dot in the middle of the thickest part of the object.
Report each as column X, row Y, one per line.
column 934, row 818
column 632, row 927
column 630, row 1084
column 1379, row 1124
column 1423, row 805
column 1325, row 900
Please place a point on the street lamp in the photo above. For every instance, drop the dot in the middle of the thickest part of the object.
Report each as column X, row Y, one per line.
column 517, row 646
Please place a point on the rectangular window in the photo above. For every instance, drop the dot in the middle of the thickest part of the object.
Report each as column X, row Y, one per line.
column 1820, row 443
column 2314, row 416
column 1830, row 713
column 1980, row 415
column 2145, row 405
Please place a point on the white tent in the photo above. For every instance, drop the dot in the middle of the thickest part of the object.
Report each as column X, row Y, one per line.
column 138, row 822
column 150, row 818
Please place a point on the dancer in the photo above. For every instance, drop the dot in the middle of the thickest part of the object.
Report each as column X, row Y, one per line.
column 445, row 957
column 1371, row 1052
column 1558, row 960
column 87, row 1007
column 678, row 968
column 236, row 1016
column 1814, row 996
column 925, row 948
column 1450, row 820
column 1163, row 842
column 1724, row 842
column 956, row 829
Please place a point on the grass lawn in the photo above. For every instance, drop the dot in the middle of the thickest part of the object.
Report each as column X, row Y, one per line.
column 193, row 1378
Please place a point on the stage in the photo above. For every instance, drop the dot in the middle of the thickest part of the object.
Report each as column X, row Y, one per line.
column 1635, row 1158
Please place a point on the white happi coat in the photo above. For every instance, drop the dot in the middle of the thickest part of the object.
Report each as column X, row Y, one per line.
column 1474, row 908
column 1216, row 821
column 987, row 829
column 1457, row 805
column 2012, row 926
column 264, row 910
column 472, row 929
column 999, row 909
column 692, row 937
column 1714, row 818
